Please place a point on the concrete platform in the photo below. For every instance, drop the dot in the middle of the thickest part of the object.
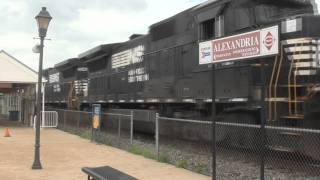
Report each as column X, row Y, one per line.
column 63, row 155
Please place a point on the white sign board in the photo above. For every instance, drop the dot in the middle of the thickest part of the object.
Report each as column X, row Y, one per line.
column 242, row 46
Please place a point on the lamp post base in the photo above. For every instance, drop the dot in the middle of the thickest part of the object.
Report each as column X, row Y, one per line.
column 36, row 162
column 36, row 165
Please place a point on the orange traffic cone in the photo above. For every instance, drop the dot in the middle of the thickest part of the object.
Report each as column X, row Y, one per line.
column 7, row 133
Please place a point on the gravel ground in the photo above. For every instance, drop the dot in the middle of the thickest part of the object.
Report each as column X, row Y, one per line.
column 231, row 165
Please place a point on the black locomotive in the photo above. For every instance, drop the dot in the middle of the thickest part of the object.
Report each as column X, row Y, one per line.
column 161, row 71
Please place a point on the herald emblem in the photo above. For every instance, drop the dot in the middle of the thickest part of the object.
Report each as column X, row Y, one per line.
column 268, row 41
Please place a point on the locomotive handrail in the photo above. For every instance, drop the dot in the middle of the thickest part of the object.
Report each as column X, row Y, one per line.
column 164, row 49
column 243, row 125
column 66, row 110
column 115, row 114
column 270, row 86
column 239, row 124
column 295, row 83
column 276, row 81
column 294, row 129
column 289, row 81
column 185, row 120
column 269, row 127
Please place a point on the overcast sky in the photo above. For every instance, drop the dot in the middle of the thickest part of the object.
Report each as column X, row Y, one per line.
column 78, row 25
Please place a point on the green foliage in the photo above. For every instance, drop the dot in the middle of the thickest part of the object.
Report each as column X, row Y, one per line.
column 199, row 169
column 135, row 149
column 164, row 158
column 85, row 134
column 182, row 164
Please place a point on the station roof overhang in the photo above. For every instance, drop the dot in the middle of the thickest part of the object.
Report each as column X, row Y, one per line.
column 13, row 71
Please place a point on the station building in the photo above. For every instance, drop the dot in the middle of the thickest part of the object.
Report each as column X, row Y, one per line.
column 17, row 89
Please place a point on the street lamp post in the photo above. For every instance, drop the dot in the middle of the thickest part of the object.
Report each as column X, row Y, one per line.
column 214, row 148
column 43, row 20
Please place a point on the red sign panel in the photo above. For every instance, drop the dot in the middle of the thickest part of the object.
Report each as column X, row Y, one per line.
column 236, row 46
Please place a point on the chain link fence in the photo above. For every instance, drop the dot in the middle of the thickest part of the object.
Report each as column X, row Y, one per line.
column 292, row 153
column 255, row 149
column 185, row 143
column 243, row 150
column 115, row 129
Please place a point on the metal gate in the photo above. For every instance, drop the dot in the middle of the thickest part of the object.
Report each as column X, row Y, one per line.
column 49, row 119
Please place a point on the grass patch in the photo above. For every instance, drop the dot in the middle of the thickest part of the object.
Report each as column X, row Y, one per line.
column 135, row 149
column 85, row 134
column 164, row 158
column 199, row 169
column 182, row 164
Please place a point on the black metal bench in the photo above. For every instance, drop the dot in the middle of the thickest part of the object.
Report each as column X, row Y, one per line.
column 106, row 173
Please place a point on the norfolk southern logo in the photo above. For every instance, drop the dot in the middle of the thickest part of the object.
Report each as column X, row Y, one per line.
column 205, row 52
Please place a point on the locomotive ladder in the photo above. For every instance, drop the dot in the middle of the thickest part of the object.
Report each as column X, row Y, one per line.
column 276, row 69
column 293, row 64
column 303, row 64
column 72, row 98
column 302, row 56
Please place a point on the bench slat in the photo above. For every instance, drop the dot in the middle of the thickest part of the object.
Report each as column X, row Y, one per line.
column 106, row 173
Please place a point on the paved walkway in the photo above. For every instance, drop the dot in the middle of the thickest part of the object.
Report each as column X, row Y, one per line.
column 63, row 155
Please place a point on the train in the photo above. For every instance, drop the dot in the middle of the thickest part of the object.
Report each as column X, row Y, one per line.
column 257, row 58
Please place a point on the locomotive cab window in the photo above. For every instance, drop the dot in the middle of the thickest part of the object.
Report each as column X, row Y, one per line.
column 207, row 29
column 211, row 28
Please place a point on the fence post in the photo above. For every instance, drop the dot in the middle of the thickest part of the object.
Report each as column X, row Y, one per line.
column 213, row 112
column 64, row 119
column 131, row 127
column 263, row 121
column 263, row 151
column 90, row 115
column 119, row 128
column 78, row 120
column 157, row 135
column 42, row 118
